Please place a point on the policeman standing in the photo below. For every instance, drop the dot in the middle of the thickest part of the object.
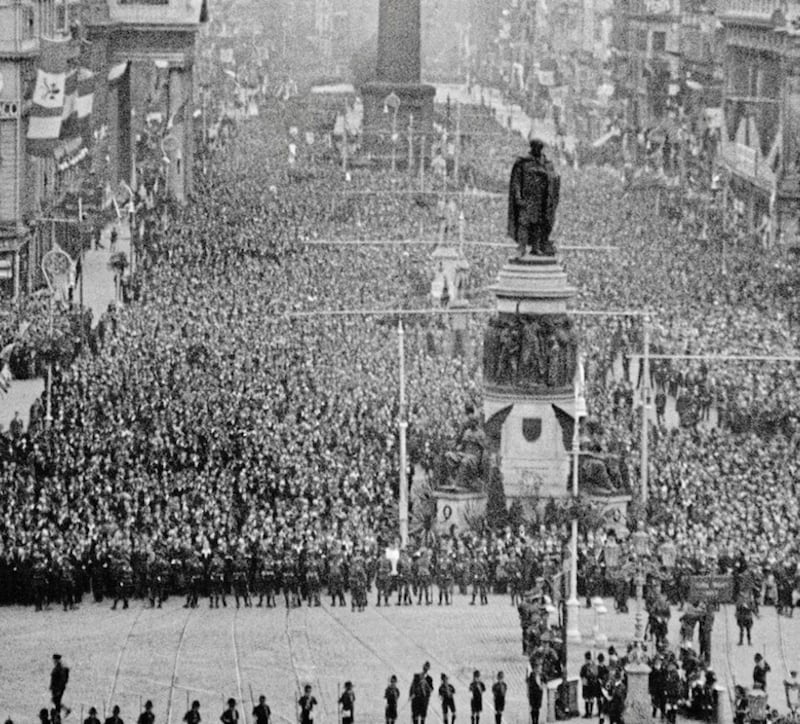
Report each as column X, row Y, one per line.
column 347, row 703
column 147, row 716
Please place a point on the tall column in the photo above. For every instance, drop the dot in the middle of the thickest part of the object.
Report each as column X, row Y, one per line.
column 397, row 72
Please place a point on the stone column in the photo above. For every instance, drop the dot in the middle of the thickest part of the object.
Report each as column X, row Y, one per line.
column 637, row 703
column 398, row 71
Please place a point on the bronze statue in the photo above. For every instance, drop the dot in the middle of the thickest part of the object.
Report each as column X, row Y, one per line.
column 532, row 202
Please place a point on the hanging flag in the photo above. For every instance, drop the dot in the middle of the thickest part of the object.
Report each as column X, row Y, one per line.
column 5, row 378
column 204, row 12
column 44, row 121
column 117, row 71
column 69, row 115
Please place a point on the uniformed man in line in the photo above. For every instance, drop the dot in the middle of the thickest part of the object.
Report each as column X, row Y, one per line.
column 383, row 580
column 157, row 577
column 479, row 581
column 289, row 582
column 67, row 583
column 358, row 585
column 445, row 578
column 192, row 716
column 240, row 583
column 404, row 574
column 39, row 581
column 313, row 580
column 336, row 578
column 424, row 578
column 216, row 582
column 194, row 575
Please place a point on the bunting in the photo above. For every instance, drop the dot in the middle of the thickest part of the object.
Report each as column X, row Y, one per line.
column 44, row 120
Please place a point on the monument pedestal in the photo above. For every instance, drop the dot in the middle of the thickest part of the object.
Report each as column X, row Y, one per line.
column 530, row 360
column 638, row 706
column 381, row 122
column 458, row 507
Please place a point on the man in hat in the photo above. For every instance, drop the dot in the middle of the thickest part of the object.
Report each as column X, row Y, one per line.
column 392, row 695
column 347, row 701
column 760, row 671
column 59, row 677
column 147, row 716
column 115, row 718
column 231, row 714
column 533, row 196
column 92, row 718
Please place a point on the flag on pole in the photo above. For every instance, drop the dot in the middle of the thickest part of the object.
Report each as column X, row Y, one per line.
column 44, row 121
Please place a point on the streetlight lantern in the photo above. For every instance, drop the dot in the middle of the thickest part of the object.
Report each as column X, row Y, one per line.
column 641, row 543
column 669, row 554
column 611, row 554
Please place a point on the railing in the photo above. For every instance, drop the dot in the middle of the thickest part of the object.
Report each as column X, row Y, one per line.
column 155, row 12
column 757, row 11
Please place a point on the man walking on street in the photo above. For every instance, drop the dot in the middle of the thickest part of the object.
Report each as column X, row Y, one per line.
column 59, row 677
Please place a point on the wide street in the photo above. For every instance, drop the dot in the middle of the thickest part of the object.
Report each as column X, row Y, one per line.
column 174, row 655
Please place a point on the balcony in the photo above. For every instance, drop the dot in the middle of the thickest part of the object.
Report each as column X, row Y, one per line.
column 748, row 12
column 169, row 13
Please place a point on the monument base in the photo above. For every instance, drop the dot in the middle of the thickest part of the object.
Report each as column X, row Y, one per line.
column 535, row 442
column 458, row 507
column 381, row 121
column 638, row 707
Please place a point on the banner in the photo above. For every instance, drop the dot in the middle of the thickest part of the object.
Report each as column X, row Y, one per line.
column 716, row 589
column 44, row 121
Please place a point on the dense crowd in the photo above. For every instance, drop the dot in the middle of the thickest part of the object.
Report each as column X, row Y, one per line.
column 221, row 413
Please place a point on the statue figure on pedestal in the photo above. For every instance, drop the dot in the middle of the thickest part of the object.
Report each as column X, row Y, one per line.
column 533, row 196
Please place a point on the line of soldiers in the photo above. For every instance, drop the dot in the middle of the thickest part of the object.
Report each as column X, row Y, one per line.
column 299, row 574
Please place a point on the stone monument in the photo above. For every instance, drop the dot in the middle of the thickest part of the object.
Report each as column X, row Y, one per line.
column 530, row 346
column 396, row 99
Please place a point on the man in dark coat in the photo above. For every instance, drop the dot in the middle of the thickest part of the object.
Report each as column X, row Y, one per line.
column 535, row 693
column 532, row 202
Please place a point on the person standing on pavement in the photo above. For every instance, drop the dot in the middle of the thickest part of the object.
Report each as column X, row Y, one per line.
column 147, row 716
column 476, row 689
column 447, row 694
column 92, row 718
column 347, row 701
column 535, row 693
column 231, row 714
column 392, row 695
column 760, row 671
column 499, row 689
column 262, row 713
column 59, row 677
column 115, row 718
column 307, row 702
column 193, row 715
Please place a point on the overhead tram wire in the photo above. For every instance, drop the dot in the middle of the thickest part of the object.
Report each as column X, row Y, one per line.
column 433, row 242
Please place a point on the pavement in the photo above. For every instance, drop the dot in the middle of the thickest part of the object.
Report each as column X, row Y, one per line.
column 174, row 655
column 98, row 292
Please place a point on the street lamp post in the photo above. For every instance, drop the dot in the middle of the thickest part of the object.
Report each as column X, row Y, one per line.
column 392, row 101
column 403, row 426
column 573, row 630
column 644, row 462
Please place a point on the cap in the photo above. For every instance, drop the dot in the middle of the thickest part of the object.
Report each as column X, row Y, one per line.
column 56, row 657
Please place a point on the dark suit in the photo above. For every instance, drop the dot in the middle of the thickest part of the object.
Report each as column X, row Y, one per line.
column 533, row 195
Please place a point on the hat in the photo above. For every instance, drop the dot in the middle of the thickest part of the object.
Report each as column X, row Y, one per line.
column 148, row 704
column 115, row 710
column 56, row 657
column 231, row 702
column 536, row 145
